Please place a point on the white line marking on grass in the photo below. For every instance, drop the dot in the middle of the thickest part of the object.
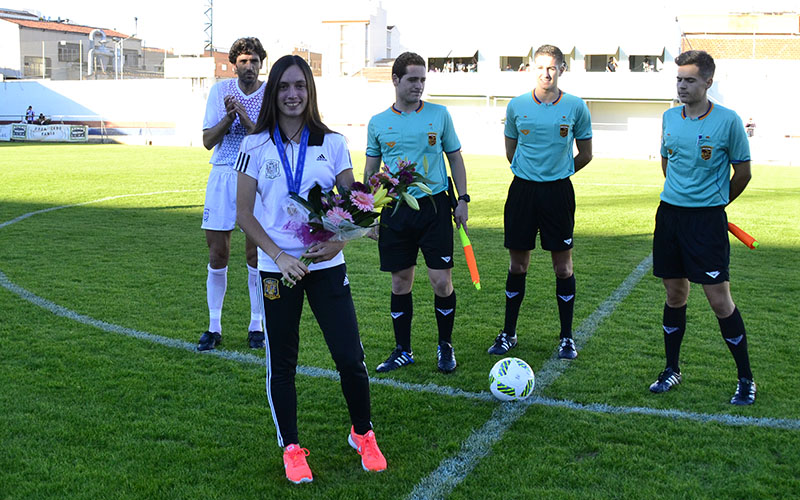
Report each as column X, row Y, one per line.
column 451, row 471
column 732, row 420
column 503, row 411
column 239, row 357
column 45, row 210
column 315, row 372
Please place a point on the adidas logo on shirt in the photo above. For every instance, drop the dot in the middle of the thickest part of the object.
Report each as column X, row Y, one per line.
column 346, row 281
column 321, row 157
column 713, row 274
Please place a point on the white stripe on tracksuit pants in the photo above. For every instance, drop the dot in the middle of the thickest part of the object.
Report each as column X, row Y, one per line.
column 328, row 294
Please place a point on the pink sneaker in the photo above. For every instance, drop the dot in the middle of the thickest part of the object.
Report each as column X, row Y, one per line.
column 371, row 457
column 294, row 461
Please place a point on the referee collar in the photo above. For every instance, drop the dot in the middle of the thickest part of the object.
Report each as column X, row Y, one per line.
column 560, row 93
column 419, row 108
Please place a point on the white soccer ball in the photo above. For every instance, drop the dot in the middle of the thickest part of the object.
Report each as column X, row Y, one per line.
column 511, row 379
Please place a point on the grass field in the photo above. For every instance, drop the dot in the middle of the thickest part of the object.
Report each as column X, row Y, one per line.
column 102, row 297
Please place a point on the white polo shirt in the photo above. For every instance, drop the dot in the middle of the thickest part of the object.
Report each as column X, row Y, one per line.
column 225, row 152
column 326, row 157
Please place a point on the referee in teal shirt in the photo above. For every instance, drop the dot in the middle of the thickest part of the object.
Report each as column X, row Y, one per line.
column 415, row 130
column 541, row 127
column 700, row 142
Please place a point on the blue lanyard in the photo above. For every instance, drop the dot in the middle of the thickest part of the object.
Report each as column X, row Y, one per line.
column 292, row 181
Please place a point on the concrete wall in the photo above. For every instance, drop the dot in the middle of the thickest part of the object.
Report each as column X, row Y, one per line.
column 170, row 111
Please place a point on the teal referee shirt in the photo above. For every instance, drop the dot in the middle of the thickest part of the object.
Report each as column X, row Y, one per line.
column 426, row 132
column 699, row 153
column 545, row 134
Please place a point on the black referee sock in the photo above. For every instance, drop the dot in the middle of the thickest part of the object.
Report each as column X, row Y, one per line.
column 565, row 296
column 733, row 332
column 402, row 312
column 674, row 325
column 445, row 316
column 515, row 292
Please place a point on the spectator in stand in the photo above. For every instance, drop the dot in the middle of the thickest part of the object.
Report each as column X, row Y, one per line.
column 750, row 127
column 612, row 64
column 29, row 115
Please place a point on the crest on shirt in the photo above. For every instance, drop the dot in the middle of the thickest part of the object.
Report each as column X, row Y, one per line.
column 525, row 131
column 705, row 152
column 272, row 169
column 391, row 144
column 431, row 138
column 271, row 289
column 563, row 130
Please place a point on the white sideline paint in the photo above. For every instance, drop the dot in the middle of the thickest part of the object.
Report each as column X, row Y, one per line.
column 504, row 408
column 453, row 470
column 45, row 210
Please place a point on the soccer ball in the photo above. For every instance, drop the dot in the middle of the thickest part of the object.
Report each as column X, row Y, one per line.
column 511, row 379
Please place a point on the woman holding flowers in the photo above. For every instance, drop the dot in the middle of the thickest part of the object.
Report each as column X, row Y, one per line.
column 290, row 152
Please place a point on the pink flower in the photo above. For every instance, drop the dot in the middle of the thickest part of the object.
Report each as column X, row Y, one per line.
column 363, row 201
column 306, row 234
column 337, row 214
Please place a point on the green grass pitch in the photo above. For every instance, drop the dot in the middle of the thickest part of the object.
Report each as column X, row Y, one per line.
column 85, row 413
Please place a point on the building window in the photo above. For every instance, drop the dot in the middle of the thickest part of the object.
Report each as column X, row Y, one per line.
column 224, row 67
column 33, row 67
column 68, row 52
column 131, row 58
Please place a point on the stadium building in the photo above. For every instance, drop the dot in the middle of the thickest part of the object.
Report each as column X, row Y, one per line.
column 475, row 80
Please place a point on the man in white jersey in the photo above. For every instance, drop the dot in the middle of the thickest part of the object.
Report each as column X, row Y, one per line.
column 231, row 112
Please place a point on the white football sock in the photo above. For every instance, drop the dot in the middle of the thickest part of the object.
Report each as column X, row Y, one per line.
column 216, row 285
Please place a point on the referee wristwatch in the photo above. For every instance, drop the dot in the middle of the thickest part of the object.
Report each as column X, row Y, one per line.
column 464, row 197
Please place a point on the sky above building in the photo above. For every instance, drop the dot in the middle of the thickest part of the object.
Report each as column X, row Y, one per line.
column 180, row 24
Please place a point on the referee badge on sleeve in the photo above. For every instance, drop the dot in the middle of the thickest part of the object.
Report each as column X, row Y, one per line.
column 271, row 289
column 705, row 152
column 563, row 130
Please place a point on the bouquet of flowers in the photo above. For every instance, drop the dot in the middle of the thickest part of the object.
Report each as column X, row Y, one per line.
column 353, row 212
column 395, row 185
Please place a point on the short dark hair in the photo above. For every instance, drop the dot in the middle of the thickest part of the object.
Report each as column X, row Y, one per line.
column 701, row 59
column 552, row 51
column 248, row 45
column 403, row 61
column 268, row 117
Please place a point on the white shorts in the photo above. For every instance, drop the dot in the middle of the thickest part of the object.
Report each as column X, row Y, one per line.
column 219, row 212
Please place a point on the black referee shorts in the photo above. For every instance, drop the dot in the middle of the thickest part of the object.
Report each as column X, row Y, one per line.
column 691, row 243
column 429, row 229
column 547, row 208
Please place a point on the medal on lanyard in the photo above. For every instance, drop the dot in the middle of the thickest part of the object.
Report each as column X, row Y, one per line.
column 292, row 181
